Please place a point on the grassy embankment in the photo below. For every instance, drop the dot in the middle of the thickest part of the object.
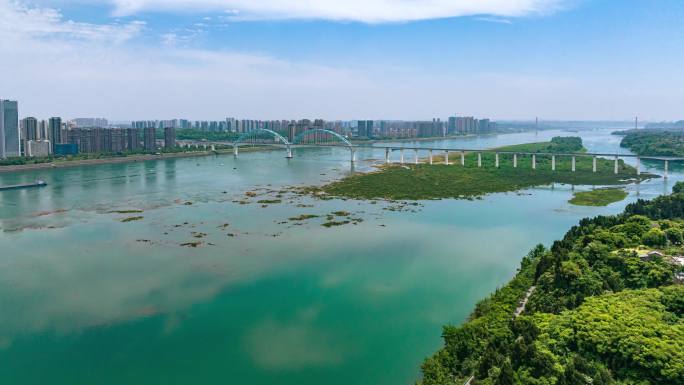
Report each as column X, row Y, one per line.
column 601, row 313
column 425, row 181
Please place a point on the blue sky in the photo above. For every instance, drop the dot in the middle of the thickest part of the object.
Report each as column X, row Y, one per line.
column 377, row 59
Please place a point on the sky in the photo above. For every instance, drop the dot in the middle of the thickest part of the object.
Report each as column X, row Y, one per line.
column 344, row 59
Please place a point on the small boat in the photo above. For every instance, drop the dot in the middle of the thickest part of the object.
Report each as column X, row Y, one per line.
column 38, row 183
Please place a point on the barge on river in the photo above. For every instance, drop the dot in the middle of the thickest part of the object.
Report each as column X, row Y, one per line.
column 38, row 183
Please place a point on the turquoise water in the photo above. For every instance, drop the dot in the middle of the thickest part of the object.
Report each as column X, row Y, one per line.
column 88, row 299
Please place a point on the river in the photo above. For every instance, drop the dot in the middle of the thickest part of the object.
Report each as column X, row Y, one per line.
column 88, row 299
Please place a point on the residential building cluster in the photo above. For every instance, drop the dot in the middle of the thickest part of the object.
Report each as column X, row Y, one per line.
column 31, row 137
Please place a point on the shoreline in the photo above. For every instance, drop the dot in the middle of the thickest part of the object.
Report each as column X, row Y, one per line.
column 121, row 159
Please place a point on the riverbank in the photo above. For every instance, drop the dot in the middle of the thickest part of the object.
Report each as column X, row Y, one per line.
column 477, row 178
column 592, row 291
column 122, row 159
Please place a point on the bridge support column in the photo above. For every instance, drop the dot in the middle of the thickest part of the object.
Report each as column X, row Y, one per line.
column 462, row 158
column 401, row 156
column 553, row 163
column 235, row 151
column 415, row 156
column 387, row 150
column 446, row 157
column 515, row 160
column 213, row 148
column 616, row 164
column 430, row 156
column 638, row 165
column 289, row 153
column 534, row 161
column 353, row 155
column 666, row 164
column 574, row 162
column 479, row 159
column 496, row 160
column 593, row 164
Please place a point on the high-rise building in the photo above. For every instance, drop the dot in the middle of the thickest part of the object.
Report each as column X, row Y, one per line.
column 133, row 139
column 9, row 129
column 29, row 131
column 169, row 137
column 451, row 125
column 149, row 139
column 364, row 128
column 29, row 128
column 55, row 132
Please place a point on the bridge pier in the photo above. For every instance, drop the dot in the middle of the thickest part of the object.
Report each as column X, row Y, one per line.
column 415, row 155
column 638, row 165
column 553, row 163
column 496, row 160
column 213, row 148
column 462, row 158
column 479, row 159
column 401, row 156
column 666, row 164
column 616, row 164
column 515, row 160
column 534, row 161
column 446, row 157
column 353, row 155
column 430, row 156
column 235, row 151
column 574, row 162
column 289, row 153
column 593, row 164
column 387, row 151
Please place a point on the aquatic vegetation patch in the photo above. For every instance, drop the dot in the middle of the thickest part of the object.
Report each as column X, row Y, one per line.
column 132, row 219
column 303, row 217
column 598, row 197
column 335, row 223
column 192, row 244
column 269, row 201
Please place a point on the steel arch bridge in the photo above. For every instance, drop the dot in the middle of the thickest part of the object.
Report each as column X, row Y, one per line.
column 327, row 134
column 302, row 136
column 301, row 139
column 242, row 139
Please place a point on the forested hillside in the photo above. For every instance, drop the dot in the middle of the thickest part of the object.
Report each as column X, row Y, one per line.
column 605, row 308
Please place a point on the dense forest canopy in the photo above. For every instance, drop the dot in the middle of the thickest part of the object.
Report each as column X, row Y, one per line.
column 654, row 142
column 605, row 307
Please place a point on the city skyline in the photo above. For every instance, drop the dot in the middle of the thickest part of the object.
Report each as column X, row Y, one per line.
column 583, row 60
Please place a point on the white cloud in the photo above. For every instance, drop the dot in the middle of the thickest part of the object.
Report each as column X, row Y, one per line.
column 23, row 22
column 367, row 11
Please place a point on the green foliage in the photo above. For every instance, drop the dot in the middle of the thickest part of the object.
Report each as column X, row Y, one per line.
column 602, row 312
column 654, row 237
column 558, row 145
column 654, row 142
column 598, row 197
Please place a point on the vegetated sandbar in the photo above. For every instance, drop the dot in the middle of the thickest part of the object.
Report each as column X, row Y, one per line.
column 598, row 197
column 436, row 181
